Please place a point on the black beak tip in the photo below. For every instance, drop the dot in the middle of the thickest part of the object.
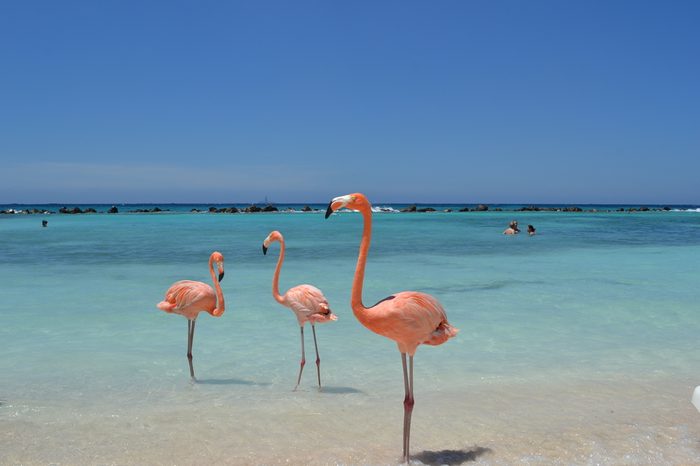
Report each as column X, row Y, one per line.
column 329, row 210
column 221, row 276
column 264, row 250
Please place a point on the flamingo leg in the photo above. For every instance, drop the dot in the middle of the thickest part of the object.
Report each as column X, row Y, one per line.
column 408, row 403
column 318, row 358
column 190, row 339
column 303, row 358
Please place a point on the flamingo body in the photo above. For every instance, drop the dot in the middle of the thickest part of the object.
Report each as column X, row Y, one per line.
column 410, row 318
column 188, row 298
column 308, row 304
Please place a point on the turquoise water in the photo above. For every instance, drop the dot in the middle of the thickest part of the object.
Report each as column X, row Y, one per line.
column 578, row 345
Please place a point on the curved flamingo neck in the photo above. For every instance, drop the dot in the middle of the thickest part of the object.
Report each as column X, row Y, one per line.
column 356, row 296
column 276, row 279
column 220, row 304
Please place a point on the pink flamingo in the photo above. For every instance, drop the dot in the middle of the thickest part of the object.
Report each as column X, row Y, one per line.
column 409, row 318
column 188, row 298
column 306, row 301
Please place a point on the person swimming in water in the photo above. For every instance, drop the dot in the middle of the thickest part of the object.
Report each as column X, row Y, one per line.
column 512, row 228
column 530, row 230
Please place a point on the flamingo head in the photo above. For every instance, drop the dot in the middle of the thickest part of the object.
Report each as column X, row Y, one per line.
column 356, row 201
column 272, row 237
column 218, row 259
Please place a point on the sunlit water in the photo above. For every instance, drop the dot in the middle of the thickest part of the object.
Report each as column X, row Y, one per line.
column 580, row 345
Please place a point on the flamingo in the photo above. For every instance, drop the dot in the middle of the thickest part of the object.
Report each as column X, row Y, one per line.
column 409, row 318
column 306, row 301
column 188, row 298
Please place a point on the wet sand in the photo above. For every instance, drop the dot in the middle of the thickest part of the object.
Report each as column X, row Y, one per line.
column 491, row 422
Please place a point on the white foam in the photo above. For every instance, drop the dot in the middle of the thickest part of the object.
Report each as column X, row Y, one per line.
column 383, row 209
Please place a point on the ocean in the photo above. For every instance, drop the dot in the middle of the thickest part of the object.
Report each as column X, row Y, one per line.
column 579, row 345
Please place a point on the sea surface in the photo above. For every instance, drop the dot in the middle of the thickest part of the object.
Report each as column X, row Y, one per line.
column 579, row 345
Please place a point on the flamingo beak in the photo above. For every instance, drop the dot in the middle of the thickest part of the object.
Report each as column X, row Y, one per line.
column 264, row 249
column 221, row 276
column 338, row 203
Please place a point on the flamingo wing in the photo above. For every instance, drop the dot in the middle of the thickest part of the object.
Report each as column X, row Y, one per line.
column 411, row 318
column 308, row 302
column 187, row 293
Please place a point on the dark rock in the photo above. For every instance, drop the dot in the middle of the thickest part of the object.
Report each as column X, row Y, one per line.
column 498, row 209
column 572, row 209
column 426, row 209
column 306, row 209
column 224, row 210
column 74, row 210
column 447, row 210
column 465, row 209
column 644, row 209
column 148, row 211
column 89, row 210
column 666, row 208
column 270, row 208
column 195, row 210
column 252, row 208
column 481, row 208
column 113, row 210
column 411, row 208
column 530, row 208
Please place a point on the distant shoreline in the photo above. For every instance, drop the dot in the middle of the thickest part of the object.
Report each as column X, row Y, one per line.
column 246, row 208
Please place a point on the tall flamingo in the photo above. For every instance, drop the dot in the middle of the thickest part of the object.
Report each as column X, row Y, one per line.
column 306, row 301
column 188, row 298
column 409, row 318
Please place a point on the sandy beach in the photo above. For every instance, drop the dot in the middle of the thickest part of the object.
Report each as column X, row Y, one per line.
column 494, row 423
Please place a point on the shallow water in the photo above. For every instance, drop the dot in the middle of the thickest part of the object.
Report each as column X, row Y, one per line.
column 577, row 346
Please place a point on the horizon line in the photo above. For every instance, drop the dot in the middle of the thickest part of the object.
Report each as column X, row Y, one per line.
column 373, row 203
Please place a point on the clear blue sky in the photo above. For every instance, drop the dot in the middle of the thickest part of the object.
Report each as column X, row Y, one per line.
column 434, row 101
